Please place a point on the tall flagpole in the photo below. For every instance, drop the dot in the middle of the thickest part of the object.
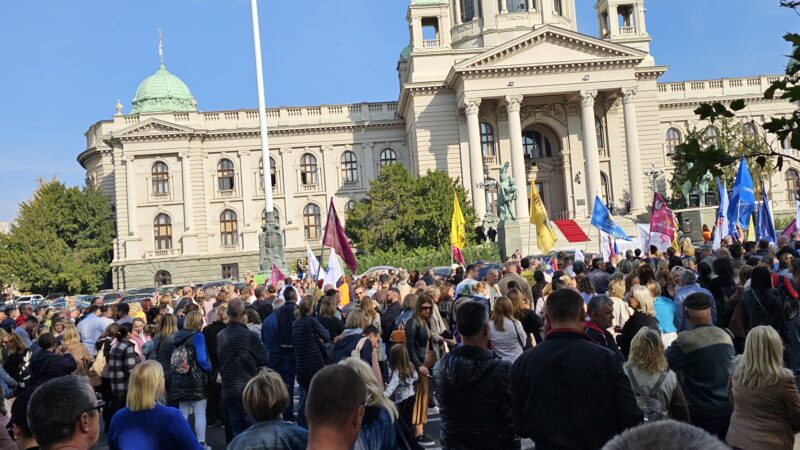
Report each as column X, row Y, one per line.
column 271, row 242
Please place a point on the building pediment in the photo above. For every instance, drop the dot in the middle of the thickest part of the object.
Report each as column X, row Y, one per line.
column 153, row 128
column 552, row 47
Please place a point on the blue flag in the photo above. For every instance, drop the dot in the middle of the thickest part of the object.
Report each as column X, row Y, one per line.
column 766, row 225
column 743, row 199
column 601, row 218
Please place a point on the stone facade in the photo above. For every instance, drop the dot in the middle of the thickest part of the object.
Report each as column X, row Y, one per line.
column 482, row 83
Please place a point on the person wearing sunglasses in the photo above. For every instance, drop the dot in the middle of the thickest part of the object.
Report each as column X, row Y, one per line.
column 65, row 413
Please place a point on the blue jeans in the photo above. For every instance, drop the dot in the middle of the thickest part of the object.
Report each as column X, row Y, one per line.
column 287, row 372
column 237, row 416
column 301, row 407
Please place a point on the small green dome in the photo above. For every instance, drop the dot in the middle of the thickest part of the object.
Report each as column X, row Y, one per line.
column 405, row 54
column 162, row 92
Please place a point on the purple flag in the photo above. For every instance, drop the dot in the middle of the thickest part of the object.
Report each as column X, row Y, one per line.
column 335, row 238
column 276, row 276
column 790, row 229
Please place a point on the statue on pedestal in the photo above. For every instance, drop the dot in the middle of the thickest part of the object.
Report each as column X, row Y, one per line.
column 271, row 245
column 506, row 195
column 700, row 188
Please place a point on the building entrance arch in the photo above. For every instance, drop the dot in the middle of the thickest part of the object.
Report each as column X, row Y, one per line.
column 544, row 165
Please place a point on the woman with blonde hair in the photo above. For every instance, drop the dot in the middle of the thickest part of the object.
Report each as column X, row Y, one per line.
column 766, row 405
column 644, row 315
column 531, row 323
column 480, row 293
column 505, row 332
column 71, row 343
column 265, row 397
column 647, row 370
column 146, row 423
column 616, row 292
column 165, row 301
column 377, row 426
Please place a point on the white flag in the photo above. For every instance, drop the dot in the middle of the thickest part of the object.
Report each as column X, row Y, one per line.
column 314, row 267
column 643, row 229
column 579, row 255
column 335, row 271
column 797, row 217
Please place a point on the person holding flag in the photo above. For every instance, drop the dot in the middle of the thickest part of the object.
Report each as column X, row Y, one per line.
column 742, row 200
column 545, row 236
column 458, row 237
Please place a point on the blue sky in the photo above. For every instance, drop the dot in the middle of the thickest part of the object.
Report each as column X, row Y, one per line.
column 65, row 63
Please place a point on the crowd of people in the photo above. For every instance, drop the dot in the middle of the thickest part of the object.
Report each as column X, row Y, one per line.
column 698, row 348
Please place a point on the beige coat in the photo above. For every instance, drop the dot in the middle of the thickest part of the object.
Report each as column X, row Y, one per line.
column 764, row 419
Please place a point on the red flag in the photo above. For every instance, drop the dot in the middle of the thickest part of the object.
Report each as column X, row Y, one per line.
column 457, row 255
column 661, row 219
column 335, row 238
column 554, row 263
column 276, row 276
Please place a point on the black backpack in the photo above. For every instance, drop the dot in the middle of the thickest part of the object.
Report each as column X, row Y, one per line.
column 789, row 298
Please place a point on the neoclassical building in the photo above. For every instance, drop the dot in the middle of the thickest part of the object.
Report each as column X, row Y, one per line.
column 482, row 83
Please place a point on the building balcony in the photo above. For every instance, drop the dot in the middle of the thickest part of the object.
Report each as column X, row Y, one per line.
column 230, row 248
column 627, row 31
column 309, row 187
column 351, row 184
column 490, row 160
column 163, row 253
column 430, row 43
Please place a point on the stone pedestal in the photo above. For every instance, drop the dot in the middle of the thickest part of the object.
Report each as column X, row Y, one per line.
column 508, row 238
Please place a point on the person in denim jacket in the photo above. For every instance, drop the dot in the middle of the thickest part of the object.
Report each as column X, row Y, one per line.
column 265, row 398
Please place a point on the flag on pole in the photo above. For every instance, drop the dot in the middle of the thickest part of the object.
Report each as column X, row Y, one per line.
column 797, row 213
column 457, row 255
column 675, row 244
column 458, row 237
column 721, row 226
column 662, row 226
column 161, row 45
column 743, row 199
column 553, row 263
column 766, row 223
column 276, row 275
column 579, row 255
column 545, row 236
column 791, row 228
column 335, row 238
column 314, row 267
column 751, row 229
column 601, row 219
column 335, row 271
column 607, row 246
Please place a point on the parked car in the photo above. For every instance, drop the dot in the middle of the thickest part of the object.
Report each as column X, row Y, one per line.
column 135, row 298
column 215, row 284
column 137, row 291
column 111, row 298
column 377, row 270
column 28, row 299
column 53, row 296
column 442, row 271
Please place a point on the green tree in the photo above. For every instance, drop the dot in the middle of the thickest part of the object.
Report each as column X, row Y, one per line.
column 62, row 241
column 401, row 212
column 735, row 138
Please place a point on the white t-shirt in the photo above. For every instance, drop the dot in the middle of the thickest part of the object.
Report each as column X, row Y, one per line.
column 508, row 344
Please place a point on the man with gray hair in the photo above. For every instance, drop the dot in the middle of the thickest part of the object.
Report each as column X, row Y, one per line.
column 241, row 354
column 688, row 285
column 65, row 413
column 665, row 435
column 600, row 310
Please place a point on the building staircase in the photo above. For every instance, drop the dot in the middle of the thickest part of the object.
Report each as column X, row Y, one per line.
column 584, row 225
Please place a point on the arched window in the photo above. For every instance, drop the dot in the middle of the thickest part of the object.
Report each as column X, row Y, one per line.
column 792, row 184
column 672, row 140
column 308, row 170
column 388, row 156
column 711, row 136
column 311, row 222
column 536, row 145
column 160, row 173
column 162, row 232
column 750, row 131
column 226, row 175
column 275, row 214
column 162, row 278
column 487, row 140
column 516, row 5
column 272, row 174
column 604, row 190
column 349, row 167
column 558, row 7
column 601, row 134
column 228, row 228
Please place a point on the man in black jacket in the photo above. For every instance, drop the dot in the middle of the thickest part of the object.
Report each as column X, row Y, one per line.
column 473, row 388
column 240, row 355
column 567, row 391
column 601, row 316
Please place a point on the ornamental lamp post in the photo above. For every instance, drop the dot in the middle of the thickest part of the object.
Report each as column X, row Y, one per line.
column 654, row 173
column 270, row 240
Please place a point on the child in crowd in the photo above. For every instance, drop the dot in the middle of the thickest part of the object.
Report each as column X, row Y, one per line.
column 401, row 384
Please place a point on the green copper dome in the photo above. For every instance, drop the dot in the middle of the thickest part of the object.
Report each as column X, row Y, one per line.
column 163, row 92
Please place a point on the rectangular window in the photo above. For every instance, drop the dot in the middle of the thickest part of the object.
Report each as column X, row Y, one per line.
column 230, row 271
column 516, row 5
column 558, row 7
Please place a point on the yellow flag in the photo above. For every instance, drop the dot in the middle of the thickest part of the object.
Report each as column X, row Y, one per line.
column 458, row 237
column 545, row 236
column 675, row 244
column 751, row 230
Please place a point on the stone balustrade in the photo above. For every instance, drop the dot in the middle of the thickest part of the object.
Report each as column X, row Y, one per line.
column 715, row 88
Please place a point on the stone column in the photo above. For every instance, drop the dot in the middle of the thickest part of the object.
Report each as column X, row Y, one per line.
column 130, row 180
column 531, row 5
column 503, row 7
column 513, row 104
column 590, row 156
column 246, row 189
column 635, row 173
column 369, row 164
column 475, row 155
column 457, row 19
column 477, row 6
column 186, row 182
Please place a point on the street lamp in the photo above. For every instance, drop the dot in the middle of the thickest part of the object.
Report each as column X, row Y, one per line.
column 654, row 173
column 270, row 240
